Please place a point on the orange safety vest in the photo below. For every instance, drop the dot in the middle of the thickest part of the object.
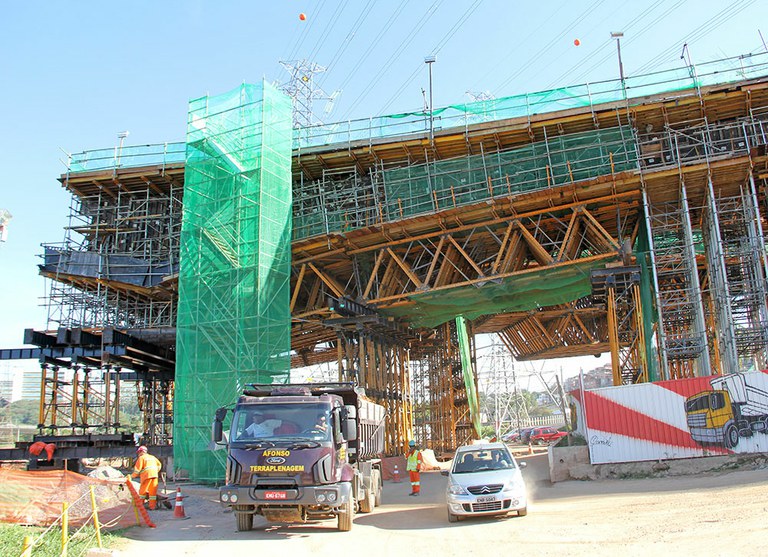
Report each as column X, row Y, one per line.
column 147, row 466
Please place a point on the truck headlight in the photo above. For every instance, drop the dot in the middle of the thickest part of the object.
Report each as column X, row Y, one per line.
column 225, row 497
column 321, row 497
column 233, row 498
column 332, row 496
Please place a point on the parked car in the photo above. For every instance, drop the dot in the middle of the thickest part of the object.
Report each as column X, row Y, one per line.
column 525, row 435
column 516, row 435
column 546, row 435
column 485, row 479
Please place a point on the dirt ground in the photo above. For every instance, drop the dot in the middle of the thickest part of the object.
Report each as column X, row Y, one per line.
column 716, row 514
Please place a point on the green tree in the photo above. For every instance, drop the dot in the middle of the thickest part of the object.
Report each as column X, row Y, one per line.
column 25, row 412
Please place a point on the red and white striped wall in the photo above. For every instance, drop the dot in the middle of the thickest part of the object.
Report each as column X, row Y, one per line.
column 648, row 421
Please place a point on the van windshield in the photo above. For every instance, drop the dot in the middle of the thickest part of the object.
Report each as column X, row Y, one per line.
column 281, row 421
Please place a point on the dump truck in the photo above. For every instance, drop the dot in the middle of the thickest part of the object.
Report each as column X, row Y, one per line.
column 735, row 407
column 302, row 452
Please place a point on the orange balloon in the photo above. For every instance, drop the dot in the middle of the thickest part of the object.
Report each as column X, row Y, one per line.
column 576, row 42
column 302, row 17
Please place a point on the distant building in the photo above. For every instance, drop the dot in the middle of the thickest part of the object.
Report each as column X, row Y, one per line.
column 594, row 379
column 19, row 380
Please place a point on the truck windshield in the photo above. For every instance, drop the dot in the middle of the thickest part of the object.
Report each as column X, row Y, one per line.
column 281, row 421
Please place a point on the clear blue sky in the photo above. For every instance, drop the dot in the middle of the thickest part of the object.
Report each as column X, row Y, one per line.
column 74, row 74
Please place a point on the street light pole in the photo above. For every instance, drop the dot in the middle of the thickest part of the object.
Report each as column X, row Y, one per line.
column 121, row 136
column 429, row 60
column 617, row 35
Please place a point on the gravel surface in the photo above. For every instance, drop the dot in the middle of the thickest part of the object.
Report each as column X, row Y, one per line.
column 711, row 514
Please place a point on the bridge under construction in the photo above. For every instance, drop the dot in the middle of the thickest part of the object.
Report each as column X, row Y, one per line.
column 623, row 217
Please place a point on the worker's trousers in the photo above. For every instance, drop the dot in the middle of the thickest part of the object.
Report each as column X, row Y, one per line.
column 415, row 481
column 148, row 491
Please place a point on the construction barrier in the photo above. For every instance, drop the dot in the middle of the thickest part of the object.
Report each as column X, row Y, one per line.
column 35, row 498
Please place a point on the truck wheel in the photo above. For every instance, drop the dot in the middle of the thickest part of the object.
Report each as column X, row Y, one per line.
column 376, row 488
column 731, row 438
column 345, row 516
column 366, row 501
column 244, row 520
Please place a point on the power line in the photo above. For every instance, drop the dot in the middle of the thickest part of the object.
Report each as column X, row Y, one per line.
column 564, row 78
column 447, row 37
column 412, row 34
column 704, row 29
column 364, row 13
column 353, row 73
column 328, row 29
column 627, row 27
column 531, row 61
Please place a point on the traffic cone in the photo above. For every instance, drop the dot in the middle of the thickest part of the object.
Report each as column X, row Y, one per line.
column 396, row 475
column 530, row 448
column 178, row 510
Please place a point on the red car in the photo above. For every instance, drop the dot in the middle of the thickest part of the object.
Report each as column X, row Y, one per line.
column 546, row 435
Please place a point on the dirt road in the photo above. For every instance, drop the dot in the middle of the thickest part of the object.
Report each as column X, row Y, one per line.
column 722, row 515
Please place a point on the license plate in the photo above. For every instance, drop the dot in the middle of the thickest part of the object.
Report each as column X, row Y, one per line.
column 275, row 495
column 486, row 499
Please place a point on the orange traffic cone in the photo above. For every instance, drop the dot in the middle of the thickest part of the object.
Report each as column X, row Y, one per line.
column 396, row 475
column 178, row 510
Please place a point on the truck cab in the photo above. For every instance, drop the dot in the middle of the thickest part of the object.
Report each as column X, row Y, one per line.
column 298, row 453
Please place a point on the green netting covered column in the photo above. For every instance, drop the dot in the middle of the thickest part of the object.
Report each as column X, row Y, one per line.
column 234, row 320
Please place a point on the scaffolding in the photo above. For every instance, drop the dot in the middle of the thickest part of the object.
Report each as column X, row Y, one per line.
column 682, row 331
column 441, row 408
column 233, row 325
column 548, row 201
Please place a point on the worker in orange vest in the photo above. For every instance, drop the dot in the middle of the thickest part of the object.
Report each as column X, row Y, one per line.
column 413, row 464
column 147, row 467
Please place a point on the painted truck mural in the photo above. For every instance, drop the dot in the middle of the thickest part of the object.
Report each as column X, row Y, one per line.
column 683, row 418
column 736, row 406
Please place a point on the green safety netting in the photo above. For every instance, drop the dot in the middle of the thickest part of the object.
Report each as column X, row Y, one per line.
column 633, row 89
column 468, row 374
column 233, row 323
column 547, row 286
column 422, row 188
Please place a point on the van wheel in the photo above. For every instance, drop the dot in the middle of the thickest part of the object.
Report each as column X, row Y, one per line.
column 244, row 520
column 345, row 516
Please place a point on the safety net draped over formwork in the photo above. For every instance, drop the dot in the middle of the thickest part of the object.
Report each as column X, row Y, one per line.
column 468, row 373
column 233, row 324
column 546, row 286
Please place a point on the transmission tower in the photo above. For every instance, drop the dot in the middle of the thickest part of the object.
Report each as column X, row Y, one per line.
column 475, row 96
column 5, row 218
column 304, row 92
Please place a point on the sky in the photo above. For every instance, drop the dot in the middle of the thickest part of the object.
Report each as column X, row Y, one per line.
column 75, row 74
